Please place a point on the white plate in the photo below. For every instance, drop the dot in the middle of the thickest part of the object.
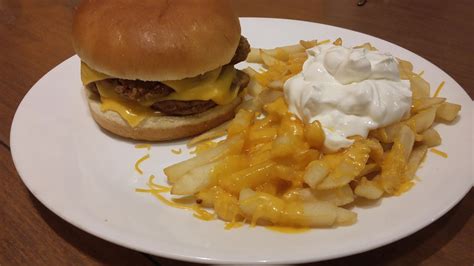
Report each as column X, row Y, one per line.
column 86, row 176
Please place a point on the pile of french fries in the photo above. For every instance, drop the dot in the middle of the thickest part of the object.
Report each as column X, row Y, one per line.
column 270, row 170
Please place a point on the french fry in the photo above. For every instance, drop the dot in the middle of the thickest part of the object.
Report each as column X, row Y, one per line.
column 367, row 46
column 419, row 122
column 406, row 138
column 419, row 87
column 274, row 210
column 250, row 71
column 315, row 173
column 287, row 173
column 426, row 102
column 271, row 61
column 247, row 178
column 227, row 206
column 252, row 105
column 253, row 88
column 290, row 125
column 299, row 194
column 207, row 197
column 423, row 120
column 415, row 160
column 352, row 163
column 276, row 84
column 447, row 111
column 395, row 162
column 345, row 217
column 240, row 123
column 280, row 53
column 314, row 134
column 287, row 145
column 278, row 106
column 270, row 187
column 368, row 189
column 387, row 134
column 376, row 150
column 308, row 44
column 254, row 56
column 290, row 49
column 298, row 56
column 259, row 157
column 369, row 169
column 262, row 135
column 301, row 158
column 431, row 137
column 270, row 96
column 338, row 196
column 214, row 133
column 405, row 68
column 230, row 146
column 195, row 180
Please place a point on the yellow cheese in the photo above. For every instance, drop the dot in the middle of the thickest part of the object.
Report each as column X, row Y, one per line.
column 213, row 87
column 89, row 75
column 131, row 112
column 205, row 79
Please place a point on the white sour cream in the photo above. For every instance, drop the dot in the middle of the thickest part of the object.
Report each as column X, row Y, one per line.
column 349, row 90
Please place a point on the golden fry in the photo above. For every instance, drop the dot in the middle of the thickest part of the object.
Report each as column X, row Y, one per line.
column 448, row 111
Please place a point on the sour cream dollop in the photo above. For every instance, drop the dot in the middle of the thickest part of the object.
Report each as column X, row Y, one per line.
column 349, row 90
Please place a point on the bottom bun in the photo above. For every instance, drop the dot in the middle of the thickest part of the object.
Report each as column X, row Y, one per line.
column 161, row 128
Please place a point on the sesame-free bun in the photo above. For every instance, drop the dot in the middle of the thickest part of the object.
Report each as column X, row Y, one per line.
column 155, row 40
column 161, row 128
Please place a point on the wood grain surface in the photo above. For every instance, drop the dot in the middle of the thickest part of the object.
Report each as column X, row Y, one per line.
column 35, row 37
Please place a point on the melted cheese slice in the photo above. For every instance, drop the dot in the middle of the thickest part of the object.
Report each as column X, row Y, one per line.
column 132, row 112
column 89, row 75
column 214, row 85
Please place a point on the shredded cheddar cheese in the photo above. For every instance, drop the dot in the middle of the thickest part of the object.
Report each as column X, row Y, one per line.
column 156, row 186
column 438, row 90
column 438, row 152
column 137, row 164
column 323, row 42
column 204, row 146
column 156, row 190
column 143, row 146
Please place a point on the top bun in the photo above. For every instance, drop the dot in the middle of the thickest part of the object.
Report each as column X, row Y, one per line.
column 155, row 40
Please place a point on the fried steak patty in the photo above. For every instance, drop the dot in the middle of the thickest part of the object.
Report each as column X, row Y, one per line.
column 143, row 91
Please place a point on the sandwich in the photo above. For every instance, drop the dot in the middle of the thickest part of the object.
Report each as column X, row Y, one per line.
column 160, row 70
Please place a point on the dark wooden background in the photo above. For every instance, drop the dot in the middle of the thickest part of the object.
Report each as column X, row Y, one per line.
column 35, row 37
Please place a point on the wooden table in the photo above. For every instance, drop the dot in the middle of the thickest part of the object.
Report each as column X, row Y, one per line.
column 34, row 37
